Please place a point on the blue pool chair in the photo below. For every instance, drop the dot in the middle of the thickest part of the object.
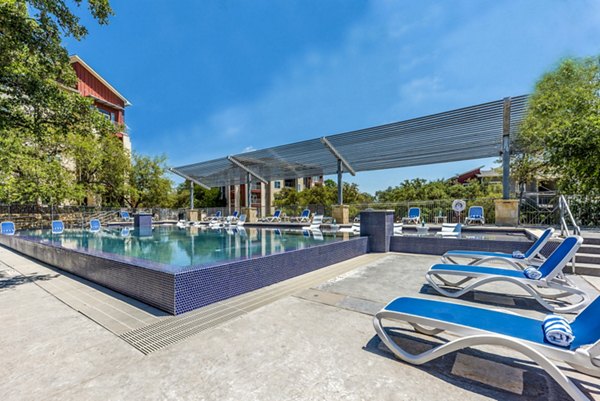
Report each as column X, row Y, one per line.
column 58, row 227
column 304, row 217
column 276, row 218
column 95, row 225
column 532, row 257
column 7, row 228
column 551, row 278
column 125, row 215
column 241, row 221
column 414, row 216
column 475, row 215
column 478, row 326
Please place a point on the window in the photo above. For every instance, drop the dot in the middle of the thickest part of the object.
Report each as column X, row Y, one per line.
column 107, row 114
column 277, row 184
column 290, row 183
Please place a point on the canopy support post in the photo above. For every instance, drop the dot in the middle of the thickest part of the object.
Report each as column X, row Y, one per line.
column 191, row 195
column 506, row 149
column 340, row 171
column 248, row 189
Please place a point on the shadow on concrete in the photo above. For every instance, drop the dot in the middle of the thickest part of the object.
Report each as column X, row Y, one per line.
column 479, row 297
column 537, row 384
column 7, row 282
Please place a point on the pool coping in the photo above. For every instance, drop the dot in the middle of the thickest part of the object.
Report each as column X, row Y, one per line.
column 179, row 292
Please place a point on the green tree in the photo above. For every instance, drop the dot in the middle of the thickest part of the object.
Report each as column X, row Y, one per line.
column 560, row 135
column 202, row 197
column 38, row 108
column 148, row 184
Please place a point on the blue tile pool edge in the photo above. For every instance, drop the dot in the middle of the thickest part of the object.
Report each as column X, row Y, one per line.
column 190, row 289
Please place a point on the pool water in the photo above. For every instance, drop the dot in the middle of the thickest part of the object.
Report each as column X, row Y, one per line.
column 176, row 247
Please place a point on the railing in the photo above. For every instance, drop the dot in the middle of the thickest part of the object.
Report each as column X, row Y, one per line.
column 566, row 211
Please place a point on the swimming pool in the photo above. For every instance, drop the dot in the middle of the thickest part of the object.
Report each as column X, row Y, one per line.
column 181, row 270
column 176, row 249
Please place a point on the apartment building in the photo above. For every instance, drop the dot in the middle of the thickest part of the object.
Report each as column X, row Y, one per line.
column 262, row 195
column 106, row 98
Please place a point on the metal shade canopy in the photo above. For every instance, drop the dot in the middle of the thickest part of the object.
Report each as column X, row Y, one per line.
column 468, row 133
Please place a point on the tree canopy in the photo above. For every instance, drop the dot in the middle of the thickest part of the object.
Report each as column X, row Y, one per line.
column 421, row 189
column 560, row 135
column 325, row 195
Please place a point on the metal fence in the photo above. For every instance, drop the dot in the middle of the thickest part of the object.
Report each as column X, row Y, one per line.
column 36, row 216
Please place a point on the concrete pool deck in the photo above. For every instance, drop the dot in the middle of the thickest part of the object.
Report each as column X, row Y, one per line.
column 311, row 339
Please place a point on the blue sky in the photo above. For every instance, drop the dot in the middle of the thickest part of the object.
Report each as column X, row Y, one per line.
column 217, row 77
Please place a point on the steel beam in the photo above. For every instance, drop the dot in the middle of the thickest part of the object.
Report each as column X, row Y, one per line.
column 187, row 177
column 506, row 149
column 337, row 155
column 246, row 169
column 340, row 171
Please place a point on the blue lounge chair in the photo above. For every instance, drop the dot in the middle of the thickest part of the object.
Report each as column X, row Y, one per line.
column 478, row 326
column 125, row 215
column 414, row 216
column 95, row 225
column 275, row 218
column 475, row 215
column 7, row 228
column 532, row 257
column 58, row 227
column 304, row 217
column 551, row 278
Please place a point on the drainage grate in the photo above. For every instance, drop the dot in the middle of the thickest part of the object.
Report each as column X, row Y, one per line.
column 173, row 329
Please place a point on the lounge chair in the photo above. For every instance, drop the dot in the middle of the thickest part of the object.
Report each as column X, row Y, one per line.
column 475, row 215
column 398, row 228
column 95, row 225
column 275, row 218
column 479, row 326
column 532, row 257
column 449, row 230
column 551, row 278
column 354, row 229
column 241, row 221
column 58, row 227
column 233, row 218
column 414, row 216
column 316, row 222
column 7, row 228
column 303, row 218
column 124, row 215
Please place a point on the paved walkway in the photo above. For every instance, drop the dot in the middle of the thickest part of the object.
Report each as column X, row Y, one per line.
column 315, row 343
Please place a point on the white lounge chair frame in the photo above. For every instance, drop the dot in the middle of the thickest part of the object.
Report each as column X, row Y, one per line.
column 535, row 257
column 583, row 359
column 469, row 219
column 560, row 285
column 449, row 230
column 415, row 219
column 315, row 224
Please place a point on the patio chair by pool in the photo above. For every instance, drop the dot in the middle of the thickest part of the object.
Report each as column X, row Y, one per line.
column 550, row 278
column 414, row 216
column 58, row 227
column 478, row 326
column 354, row 229
column 241, row 221
column 449, row 230
column 233, row 218
column 7, row 228
column 398, row 228
column 475, row 215
column 276, row 218
column 95, row 225
column 125, row 215
column 303, row 218
column 532, row 257
column 316, row 222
